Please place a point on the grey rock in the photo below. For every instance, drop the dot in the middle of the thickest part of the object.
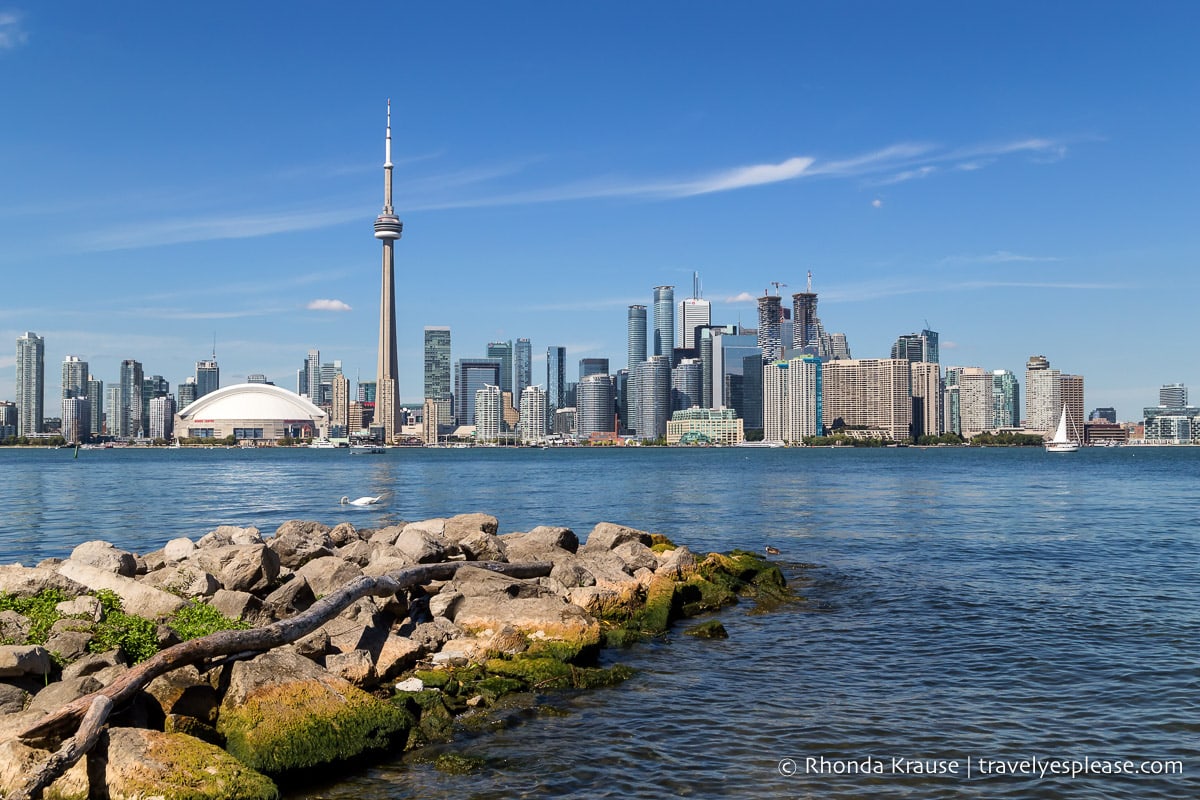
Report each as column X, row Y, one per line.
column 314, row 646
column 544, row 537
column 463, row 525
column 420, row 546
column 356, row 666
column 327, row 574
column 290, row 599
column 396, row 654
column 297, row 542
column 636, row 556
column 607, row 535
column 678, row 563
column 241, row 567
column 239, row 605
column 430, row 636
column 17, row 660
column 27, row 581
column 178, row 549
column 571, row 573
column 13, row 627
column 343, row 534
column 94, row 663
column 480, row 546
column 59, row 693
column 70, row 639
column 103, row 555
column 185, row 691
column 184, row 579
column 361, row 626
column 13, row 699
column 226, row 535
column 84, row 607
column 136, row 598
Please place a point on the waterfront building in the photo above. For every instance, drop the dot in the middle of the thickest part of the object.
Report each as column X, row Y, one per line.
column 471, row 375
column 366, row 392
column 339, row 406
column 95, row 395
column 718, row 426
column 1103, row 432
column 152, row 387
column 504, row 352
column 437, row 371
column 114, row 419
column 686, row 383
column 131, row 399
column 975, row 410
column 1172, row 395
column 621, row 388
column 636, row 336
column 792, row 399
column 488, row 416
column 564, row 421
column 770, row 318
column 664, row 322
column 430, row 413
column 532, row 424
column 805, row 336
column 749, row 405
column 1043, row 398
column 653, row 379
column 694, row 315
column 76, row 418
column 509, row 411
column 388, row 229
column 251, row 413
column 556, row 377
column 312, row 376
column 1163, row 425
column 31, row 383
column 926, row 399
column 523, row 366
column 1071, row 394
column 208, row 376
column 329, row 371
column 8, row 419
column 921, row 346
column 189, row 391
column 839, row 348
column 74, row 377
column 595, row 406
column 1006, row 400
column 1105, row 414
column 729, row 351
column 592, row 366
column 162, row 417
column 873, row 394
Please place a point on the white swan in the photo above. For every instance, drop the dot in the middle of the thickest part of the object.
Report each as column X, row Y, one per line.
column 362, row 501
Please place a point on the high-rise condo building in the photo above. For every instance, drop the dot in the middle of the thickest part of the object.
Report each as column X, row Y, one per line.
column 152, row 387
column 792, row 399
column 429, row 421
column 770, row 320
column 592, row 366
column 437, row 371
column 489, row 418
column 31, row 383
column 388, row 228
column 804, row 320
column 74, row 377
column 131, row 399
column 927, row 412
column 504, row 352
column 636, row 336
column 95, row 394
column 664, row 321
column 189, row 392
column 556, row 378
column 973, row 387
column 595, row 406
column 312, row 376
column 921, row 346
column 523, row 367
column 329, row 371
column 1006, row 400
column 471, row 375
column 1172, row 395
column 839, row 348
column 687, row 384
column 873, row 393
column 162, row 417
column 746, row 395
column 729, row 350
column 654, row 396
column 1043, row 399
column 533, row 423
column 1070, row 390
column 339, row 412
column 76, row 418
column 113, row 415
column 208, row 377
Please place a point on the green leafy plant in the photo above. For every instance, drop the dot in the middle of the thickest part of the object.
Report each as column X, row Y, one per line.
column 39, row 610
column 198, row 619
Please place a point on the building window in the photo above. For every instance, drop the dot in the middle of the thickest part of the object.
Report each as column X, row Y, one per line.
column 247, row 433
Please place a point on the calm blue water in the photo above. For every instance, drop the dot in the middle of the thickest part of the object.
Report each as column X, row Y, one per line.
column 961, row 604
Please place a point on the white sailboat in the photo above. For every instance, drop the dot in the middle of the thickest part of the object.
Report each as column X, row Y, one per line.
column 1061, row 442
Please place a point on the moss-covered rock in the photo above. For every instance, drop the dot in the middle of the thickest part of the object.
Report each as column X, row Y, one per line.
column 713, row 629
column 144, row 763
column 282, row 712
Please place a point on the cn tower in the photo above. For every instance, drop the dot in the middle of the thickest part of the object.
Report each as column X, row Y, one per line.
column 387, row 228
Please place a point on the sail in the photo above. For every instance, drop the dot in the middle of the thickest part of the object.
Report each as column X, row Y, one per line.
column 1060, row 434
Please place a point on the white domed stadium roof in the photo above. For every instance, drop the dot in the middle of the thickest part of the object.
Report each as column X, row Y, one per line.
column 246, row 401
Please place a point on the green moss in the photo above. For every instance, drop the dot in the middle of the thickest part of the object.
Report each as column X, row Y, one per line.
column 434, row 720
column 533, row 672
column 458, row 764
column 556, row 649
column 196, row 770
column 301, row 725
column 660, row 543
column 494, row 687
column 713, row 629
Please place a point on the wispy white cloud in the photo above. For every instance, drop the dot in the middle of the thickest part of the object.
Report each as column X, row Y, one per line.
column 906, row 175
column 998, row 257
column 327, row 305
column 200, row 229
column 877, row 203
column 743, row 297
column 742, row 177
column 12, row 34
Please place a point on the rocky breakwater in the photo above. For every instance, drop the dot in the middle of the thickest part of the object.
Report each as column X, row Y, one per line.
column 212, row 668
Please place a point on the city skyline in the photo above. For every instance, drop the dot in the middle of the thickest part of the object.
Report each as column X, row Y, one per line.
column 1013, row 203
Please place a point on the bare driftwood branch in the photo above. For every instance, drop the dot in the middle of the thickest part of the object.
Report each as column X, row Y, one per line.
column 74, row 748
column 52, row 728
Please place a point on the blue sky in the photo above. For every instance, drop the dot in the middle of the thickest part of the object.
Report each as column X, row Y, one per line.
column 1020, row 176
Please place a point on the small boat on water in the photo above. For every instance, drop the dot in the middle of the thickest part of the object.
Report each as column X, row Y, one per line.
column 367, row 449
column 1061, row 442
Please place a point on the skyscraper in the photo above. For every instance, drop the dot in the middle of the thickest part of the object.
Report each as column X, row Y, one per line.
column 770, row 318
column 312, row 377
column 488, row 417
column 339, row 414
column 804, row 319
column 31, row 383
column 792, row 399
column 874, row 393
column 504, row 352
column 388, row 228
column 636, row 337
column 437, row 371
column 188, row 392
column 162, row 417
column 471, row 375
column 130, row 412
column 74, row 377
column 95, row 394
column 556, row 378
column 926, row 399
column 76, row 418
column 592, row 366
column 694, row 314
column 921, row 346
column 654, row 396
column 1070, row 392
column 594, row 406
column 208, row 377
column 523, row 365
column 1006, row 400
column 533, row 423
column 1043, row 399
column 664, row 322
column 1172, row 395
column 686, row 384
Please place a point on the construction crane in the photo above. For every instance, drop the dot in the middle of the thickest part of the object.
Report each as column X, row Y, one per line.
column 777, row 286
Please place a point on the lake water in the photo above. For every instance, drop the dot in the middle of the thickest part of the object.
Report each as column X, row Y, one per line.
column 965, row 609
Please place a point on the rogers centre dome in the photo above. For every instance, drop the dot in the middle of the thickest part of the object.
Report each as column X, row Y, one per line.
column 250, row 412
